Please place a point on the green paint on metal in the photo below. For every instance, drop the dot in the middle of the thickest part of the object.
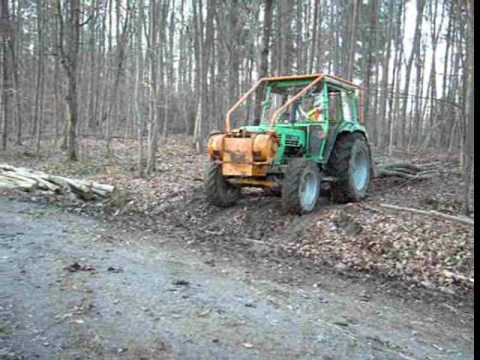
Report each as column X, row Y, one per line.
column 295, row 137
column 326, row 123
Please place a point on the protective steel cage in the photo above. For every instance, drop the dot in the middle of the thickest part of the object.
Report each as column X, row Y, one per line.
column 315, row 80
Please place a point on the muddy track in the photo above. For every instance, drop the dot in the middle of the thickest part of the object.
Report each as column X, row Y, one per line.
column 138, row 295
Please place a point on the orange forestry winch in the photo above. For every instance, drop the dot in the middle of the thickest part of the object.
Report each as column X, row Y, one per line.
column 242, row 153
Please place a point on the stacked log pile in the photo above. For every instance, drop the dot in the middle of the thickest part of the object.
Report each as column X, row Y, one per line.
column 407, row 170
column 30, row 180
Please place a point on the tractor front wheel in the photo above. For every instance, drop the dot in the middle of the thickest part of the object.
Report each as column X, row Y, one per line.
column 218, row 190
column 351, row 164
column 300, row 187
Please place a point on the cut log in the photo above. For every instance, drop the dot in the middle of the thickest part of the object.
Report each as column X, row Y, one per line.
column 15, row 177
column 405, row 170
column 7, row 182
column 40, row 182
column 6, row 167
column 461, row 219
column 78, row 187
column 403, row 165
column 28, row 180
column 405, row 174
column 102, row 189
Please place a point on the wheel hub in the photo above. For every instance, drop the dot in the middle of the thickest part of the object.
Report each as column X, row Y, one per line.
column 308, row 190
column 360, row 169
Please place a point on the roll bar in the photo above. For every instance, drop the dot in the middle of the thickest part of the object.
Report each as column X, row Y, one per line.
column 317, row 78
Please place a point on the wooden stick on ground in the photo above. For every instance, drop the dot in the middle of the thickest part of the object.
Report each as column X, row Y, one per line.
column 460, row 219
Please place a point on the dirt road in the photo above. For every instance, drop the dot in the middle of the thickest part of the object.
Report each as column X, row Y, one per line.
column 75, row 288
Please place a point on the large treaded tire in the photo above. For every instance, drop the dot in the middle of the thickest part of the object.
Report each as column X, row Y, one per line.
column 342, row 165
column 295, row 174
column 219, row 192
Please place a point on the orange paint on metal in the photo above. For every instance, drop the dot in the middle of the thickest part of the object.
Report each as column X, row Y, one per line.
column 229, row 169
column 244, row 170
column 238, row 150
column 215, row 146
column 265, row 147
column 254, row 182
column 244, row 154
column 237, row 157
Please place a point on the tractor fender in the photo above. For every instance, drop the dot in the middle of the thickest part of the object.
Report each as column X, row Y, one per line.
column 342, row 131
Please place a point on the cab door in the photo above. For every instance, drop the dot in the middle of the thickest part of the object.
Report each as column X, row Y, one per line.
column 318, row 129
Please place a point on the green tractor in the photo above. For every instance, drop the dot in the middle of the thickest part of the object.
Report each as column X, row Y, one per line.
column 310, row 131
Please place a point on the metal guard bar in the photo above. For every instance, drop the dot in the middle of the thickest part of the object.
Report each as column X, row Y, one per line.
column 239, row 102
column 318, row 77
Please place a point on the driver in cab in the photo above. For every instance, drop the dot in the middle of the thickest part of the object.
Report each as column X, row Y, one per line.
column 316, row 109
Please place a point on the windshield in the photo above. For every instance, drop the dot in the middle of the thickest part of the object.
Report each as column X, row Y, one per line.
column 299, row 112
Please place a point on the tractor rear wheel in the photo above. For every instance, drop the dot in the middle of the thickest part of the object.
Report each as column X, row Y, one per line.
column 300, row 187
column 219, row 191
column 351, row 164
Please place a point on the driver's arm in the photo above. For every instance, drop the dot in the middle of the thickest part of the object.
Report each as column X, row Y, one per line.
column 304, row 114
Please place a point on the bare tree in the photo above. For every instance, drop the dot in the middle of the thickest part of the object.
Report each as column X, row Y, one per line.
column 6, row 32
column 352, row 40
column 40, row 81
column 121, row 47
column 263, row 70
column 469, row 163
column 69, row 48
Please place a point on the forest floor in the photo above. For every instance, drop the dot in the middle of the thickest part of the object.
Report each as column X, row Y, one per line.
column 74, row 287
column 363, row 240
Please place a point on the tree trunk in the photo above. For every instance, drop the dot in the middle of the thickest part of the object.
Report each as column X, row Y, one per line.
column 469, row 163
column 153, row 127
column 169, row 72
column 39, row 93
column 408, row 72
column 93, row 84
column 371, row 45
column 5, row 95
column 138, row 88
column 7, row 37
column 315, row 27
column 352, row 41
column 267, row 29
column 13, row 43
column 69, row 51
column 122, row 44
column 384, row 87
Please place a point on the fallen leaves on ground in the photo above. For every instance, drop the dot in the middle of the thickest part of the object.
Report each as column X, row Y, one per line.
column 432, row 252
column 361, row 237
